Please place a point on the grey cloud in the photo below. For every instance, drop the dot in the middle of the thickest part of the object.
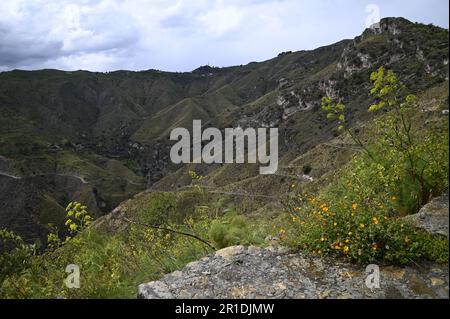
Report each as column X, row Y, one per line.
column 34, row 35
column 180, row 35
column 15, row 49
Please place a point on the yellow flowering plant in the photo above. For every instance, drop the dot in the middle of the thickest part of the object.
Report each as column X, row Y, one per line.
column 77, row 217
column 397, row 171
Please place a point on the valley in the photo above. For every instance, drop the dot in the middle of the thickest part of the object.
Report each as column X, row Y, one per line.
column 86, row 175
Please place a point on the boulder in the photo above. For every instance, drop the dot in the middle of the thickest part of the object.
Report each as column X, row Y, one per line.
column 433, row 217
column 274, row 272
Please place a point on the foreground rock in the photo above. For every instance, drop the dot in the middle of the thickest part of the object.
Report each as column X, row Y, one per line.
column 253, row 272
column 433, row 217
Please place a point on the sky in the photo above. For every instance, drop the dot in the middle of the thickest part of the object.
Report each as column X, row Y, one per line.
column 181, row 35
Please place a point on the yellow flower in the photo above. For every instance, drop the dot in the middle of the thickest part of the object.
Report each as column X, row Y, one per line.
column 346, row 249
column 293, row 185
column 73, row 227
column 361, row 225
column 350, row 233
column 341, row 244
column 68, row 222
column 375, row 221
column 374, row 246
column 334, row 224
column 394, row 198
column 354, row 206
column 337, row 247
column 322, row 238
column 325, row 209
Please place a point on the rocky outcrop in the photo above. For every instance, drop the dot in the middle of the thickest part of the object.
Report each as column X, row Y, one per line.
column 253, row 272
column 433, row 217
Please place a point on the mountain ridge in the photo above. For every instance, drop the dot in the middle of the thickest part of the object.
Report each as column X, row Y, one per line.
column 111, row 128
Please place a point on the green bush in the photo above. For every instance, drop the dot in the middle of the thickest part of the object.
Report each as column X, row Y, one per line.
column 113, row 265
column 359, row 214
column 160, row 209
column 231, row 230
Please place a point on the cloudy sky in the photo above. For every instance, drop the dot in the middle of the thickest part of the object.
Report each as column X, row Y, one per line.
column 180, row 35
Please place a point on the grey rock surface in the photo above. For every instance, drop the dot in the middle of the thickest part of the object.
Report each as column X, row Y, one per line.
column 254, row 272
column 433, row 217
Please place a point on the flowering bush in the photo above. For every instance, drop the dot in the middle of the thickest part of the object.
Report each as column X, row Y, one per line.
column 361, row 230
column 359, row 214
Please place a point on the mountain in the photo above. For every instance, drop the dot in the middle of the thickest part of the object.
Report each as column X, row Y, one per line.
column 101, row 138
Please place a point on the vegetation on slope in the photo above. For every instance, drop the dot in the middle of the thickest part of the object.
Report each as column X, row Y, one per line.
column 356, row 214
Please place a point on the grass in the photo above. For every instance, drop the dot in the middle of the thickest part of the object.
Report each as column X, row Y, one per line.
column 113, row 263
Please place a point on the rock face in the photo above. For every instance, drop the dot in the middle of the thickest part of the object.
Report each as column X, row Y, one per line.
column 253, row 272
column 433, row 217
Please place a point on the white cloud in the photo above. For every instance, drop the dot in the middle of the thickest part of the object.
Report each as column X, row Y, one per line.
column 219, row 21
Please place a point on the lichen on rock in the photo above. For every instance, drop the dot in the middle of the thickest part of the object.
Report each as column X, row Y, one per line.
column 274, row 272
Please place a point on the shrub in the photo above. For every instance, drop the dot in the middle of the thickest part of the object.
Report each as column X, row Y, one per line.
column 160, row 209
column 17, row 254
column 359, row 214
column 232, row 230
column 363, row 230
